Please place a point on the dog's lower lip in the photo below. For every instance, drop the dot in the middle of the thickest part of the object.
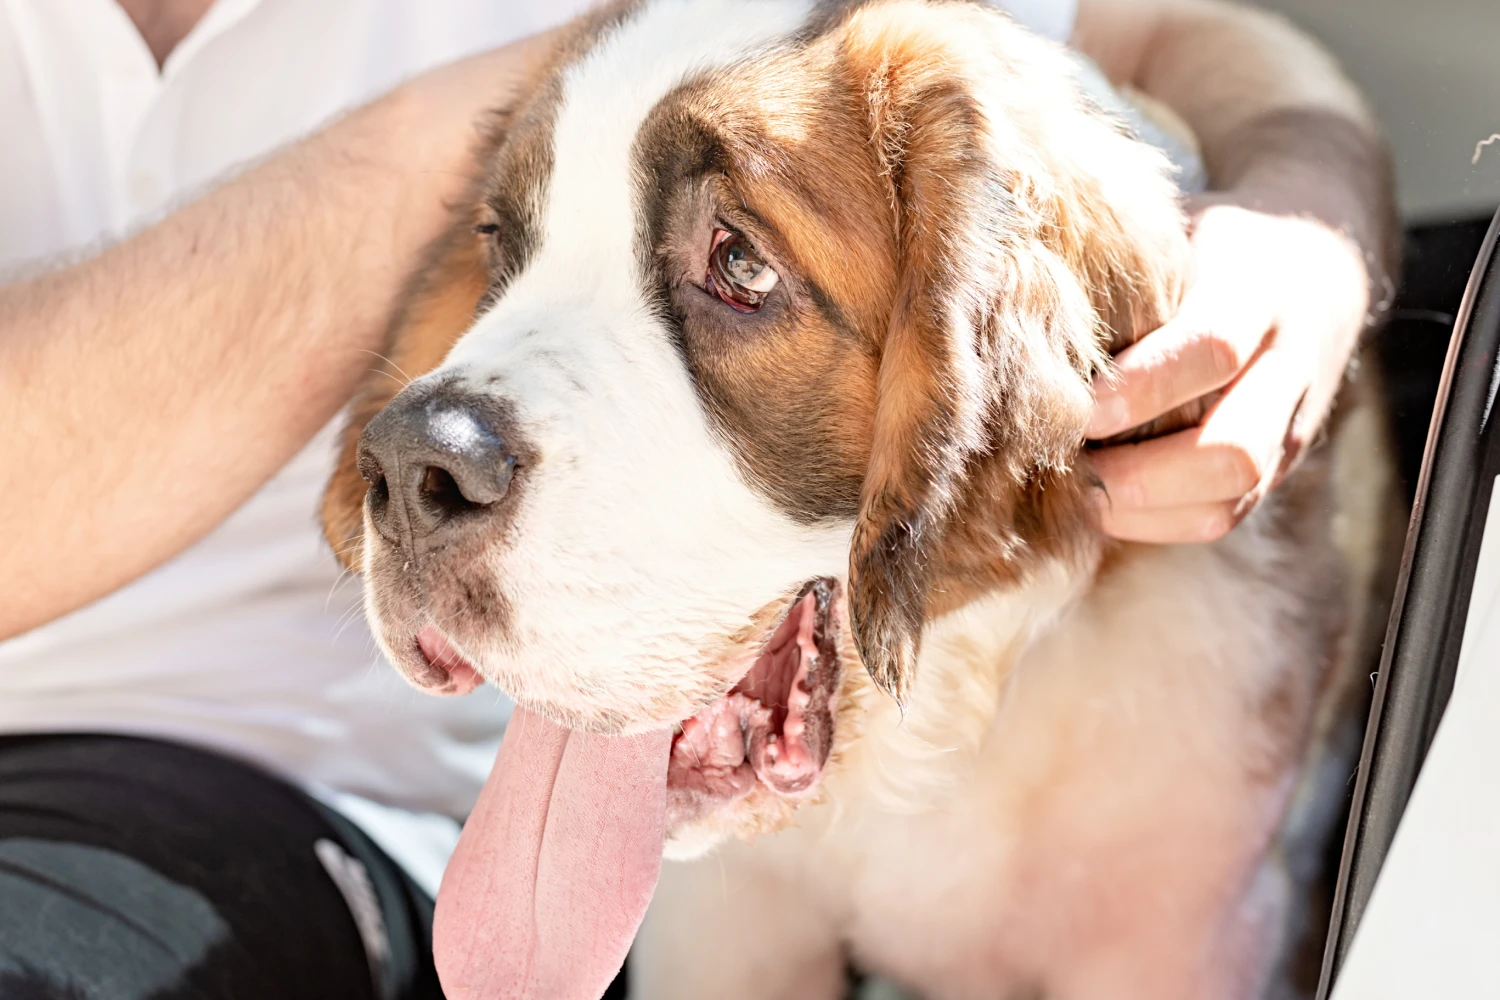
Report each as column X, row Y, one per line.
column 773, row 728
column 442, row 656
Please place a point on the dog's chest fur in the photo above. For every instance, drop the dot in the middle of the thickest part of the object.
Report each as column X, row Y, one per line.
column 1088, row 786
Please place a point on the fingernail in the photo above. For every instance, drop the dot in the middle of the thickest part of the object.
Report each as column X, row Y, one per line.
column 1109, row 417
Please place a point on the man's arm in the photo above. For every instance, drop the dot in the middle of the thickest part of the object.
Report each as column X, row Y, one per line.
column 147, row 392
column 1272, row 110
column 1219, row 65
column 1291, row 250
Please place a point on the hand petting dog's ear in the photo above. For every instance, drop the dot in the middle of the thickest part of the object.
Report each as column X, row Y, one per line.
column 1271, row 316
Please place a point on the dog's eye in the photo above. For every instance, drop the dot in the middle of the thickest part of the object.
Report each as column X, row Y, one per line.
column 737, row 274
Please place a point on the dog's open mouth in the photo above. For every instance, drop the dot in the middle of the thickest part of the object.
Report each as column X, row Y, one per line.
column 560, row 856
column 775, row 726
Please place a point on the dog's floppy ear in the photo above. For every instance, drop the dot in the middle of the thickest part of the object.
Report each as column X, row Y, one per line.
column 1032, row 235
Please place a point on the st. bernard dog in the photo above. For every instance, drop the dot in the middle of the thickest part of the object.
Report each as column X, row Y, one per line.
column 747, row 456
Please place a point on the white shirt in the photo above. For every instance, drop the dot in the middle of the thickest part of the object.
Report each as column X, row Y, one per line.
column 249, row 642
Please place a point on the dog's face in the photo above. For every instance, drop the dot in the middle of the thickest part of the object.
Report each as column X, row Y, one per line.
column 776, row 333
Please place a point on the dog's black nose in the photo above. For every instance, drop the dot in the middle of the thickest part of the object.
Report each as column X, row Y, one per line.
column 438, row 461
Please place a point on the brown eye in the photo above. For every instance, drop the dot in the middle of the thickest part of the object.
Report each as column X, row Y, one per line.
column 737, row 274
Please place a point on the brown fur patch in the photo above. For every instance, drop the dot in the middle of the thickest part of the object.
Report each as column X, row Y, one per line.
column 769, row 149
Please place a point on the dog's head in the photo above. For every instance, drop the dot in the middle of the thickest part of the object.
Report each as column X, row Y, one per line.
column 769, row 338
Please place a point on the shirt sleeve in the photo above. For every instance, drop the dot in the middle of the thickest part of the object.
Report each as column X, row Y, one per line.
column 1050, row 18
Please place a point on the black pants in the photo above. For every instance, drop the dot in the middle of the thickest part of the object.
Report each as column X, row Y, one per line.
column 137, row 870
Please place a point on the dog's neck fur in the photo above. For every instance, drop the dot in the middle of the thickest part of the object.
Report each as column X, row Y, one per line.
column 914, row 760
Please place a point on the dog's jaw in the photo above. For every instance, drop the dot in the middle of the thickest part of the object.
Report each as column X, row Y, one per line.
column 770, row 736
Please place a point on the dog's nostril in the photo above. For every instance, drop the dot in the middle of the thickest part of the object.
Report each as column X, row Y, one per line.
column 442, row 495
column 367, row 464
column 380, row 493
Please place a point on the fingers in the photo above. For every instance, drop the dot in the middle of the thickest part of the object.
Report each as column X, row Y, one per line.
column 1170, row 525
column 1256, row 416
column 1194, row 485
column 1199, row 351
column 1274, row 307
column 1176, row 470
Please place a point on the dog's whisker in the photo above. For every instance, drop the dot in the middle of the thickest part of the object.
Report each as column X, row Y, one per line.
column 344, row 577
column 381, row 371
column 346, row 621
column 393, row 364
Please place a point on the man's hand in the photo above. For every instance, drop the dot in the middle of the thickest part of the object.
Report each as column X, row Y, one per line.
column 1287, row 260
column 1274, row 307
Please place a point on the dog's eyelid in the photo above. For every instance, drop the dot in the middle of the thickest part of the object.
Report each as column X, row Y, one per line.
column 487, row 228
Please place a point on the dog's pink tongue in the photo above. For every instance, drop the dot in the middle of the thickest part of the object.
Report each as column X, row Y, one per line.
column 555, row 866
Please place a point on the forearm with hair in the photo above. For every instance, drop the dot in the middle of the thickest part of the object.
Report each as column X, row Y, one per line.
column 1277, row 120
column 146, row 392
